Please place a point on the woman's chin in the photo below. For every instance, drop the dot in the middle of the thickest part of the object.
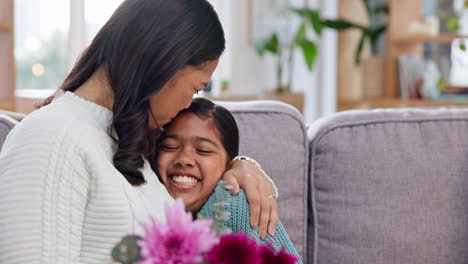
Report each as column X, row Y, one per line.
column 165, row 122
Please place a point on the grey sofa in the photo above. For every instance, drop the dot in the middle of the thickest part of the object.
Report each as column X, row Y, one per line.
column 380, row 186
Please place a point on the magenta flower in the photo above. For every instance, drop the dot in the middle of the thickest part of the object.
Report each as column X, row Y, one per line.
column 269, row 256
column 234, row 249
column 178, row 240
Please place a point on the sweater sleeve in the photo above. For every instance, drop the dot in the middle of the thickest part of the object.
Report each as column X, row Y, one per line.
column 43, row 196
column 238, row 207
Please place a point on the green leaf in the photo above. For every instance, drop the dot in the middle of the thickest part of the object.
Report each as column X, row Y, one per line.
column 441, row 84
column 453, row 24
column 272, row 44
column 310, row 51
column 300, row 35
column 341, row 24
column 259, row 48
column 376, row 33
column 313, row 16
column 269, row 44
column 463, row 46
column 360, row 47
column 465, row 4
column 316, row 21
column 127, row 251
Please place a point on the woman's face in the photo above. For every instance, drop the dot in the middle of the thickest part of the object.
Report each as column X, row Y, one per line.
column 177, row 93
column 191, row 159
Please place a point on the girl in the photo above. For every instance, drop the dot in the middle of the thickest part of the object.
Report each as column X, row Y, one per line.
column 191, row 157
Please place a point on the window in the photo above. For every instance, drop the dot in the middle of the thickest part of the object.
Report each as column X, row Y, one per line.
column 51, row 34
column 48, row 38
column 41, row 32
column 96, row 14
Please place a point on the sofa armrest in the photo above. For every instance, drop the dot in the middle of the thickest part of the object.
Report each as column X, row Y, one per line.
column 7, row 122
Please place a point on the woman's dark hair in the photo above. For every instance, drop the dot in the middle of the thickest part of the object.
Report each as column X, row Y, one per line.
column 142, row 45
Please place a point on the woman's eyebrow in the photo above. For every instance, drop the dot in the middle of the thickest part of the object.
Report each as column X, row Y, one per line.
column 206, row 140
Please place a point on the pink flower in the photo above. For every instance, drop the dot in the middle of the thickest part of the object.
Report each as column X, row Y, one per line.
column 234, row 249
column 178, row 240
column 269, row 256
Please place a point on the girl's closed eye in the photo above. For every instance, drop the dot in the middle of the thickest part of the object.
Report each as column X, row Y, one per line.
column 168, row 147
column 204, row 151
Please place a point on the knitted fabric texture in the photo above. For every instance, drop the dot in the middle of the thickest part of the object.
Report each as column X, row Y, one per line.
column 238, row 207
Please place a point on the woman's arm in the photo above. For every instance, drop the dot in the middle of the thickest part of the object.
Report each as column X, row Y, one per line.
column 259, row 190
column 238, row 207
column 42, row 197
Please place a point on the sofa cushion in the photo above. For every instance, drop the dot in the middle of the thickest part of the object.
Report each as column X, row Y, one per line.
column 390, row 186
column 273, row 133
column 6, row 124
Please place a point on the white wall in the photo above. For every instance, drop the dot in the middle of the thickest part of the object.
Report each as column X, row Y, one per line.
column 250, row 74
column 326, row 83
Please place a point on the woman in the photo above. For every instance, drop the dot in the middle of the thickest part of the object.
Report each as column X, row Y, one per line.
column 193, row 154
column 74, row 173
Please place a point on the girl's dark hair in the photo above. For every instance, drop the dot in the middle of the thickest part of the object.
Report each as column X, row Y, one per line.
column 222, row 120
column 142, row 45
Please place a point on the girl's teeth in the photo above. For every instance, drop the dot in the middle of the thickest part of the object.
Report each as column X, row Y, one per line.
column 185, row 180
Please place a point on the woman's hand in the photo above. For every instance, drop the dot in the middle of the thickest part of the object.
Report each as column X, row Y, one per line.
column 258, row 189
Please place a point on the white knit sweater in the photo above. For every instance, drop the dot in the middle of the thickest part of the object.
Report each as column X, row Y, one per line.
column 61, row 199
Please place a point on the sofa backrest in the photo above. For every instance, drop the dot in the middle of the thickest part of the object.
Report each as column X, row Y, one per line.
column 7, row 122
column 274, row 134
column 390, row 186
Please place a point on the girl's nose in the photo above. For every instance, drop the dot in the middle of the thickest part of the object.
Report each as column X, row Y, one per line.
column 184, row 159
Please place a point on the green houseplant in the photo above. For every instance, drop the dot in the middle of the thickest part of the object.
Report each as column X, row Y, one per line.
column 371, row 33
column 311, row 19
column 284, row 50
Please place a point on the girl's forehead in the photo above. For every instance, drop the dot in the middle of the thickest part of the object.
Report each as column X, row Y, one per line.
column 188, row 123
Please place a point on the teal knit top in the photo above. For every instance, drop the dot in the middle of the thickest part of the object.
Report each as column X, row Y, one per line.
column 238, row 221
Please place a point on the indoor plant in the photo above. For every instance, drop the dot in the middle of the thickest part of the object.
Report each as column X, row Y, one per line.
column 371, row 33
column 284, row 50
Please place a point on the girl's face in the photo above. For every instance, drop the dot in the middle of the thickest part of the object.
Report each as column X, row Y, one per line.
column 177, row 93
column 191, row 159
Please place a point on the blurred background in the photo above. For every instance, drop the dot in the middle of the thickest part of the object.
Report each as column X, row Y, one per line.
column 321, row 56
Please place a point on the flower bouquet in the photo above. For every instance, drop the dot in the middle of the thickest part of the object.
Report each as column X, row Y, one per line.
column 181, row 240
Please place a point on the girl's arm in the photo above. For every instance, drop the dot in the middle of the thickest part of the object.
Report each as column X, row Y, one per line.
column 238, row 207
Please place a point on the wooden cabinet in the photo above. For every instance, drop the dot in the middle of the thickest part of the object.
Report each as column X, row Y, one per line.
column 7, row 61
